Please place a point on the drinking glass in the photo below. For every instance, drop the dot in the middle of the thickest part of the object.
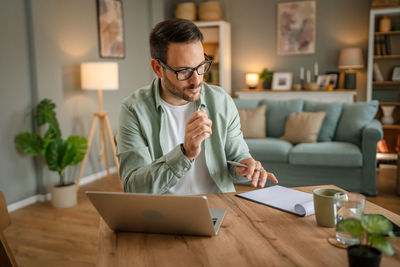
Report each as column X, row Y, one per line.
column 350, row 205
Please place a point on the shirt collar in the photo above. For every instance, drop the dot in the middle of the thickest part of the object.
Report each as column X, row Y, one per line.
column 156, row 84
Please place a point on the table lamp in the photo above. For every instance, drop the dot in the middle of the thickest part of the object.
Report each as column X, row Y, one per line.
column 100, row 76
column 252, row 80
column 350, row 59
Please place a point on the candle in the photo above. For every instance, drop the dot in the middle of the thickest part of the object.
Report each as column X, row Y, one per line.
column 308, row 76
column 302, row 73
column 316, row 69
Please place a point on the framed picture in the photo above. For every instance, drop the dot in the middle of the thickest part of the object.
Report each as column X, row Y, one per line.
column 296, row 28
column 396, row 73
column 333, row 78
column 110, row 27
column 282, row 81
column 322, row 81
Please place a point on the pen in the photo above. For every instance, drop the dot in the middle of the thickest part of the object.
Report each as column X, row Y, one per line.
column 234, row 163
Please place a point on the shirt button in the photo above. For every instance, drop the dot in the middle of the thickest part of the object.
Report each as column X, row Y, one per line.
column 185, row 169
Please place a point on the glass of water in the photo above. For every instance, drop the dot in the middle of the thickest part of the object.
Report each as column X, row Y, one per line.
column 350, row 205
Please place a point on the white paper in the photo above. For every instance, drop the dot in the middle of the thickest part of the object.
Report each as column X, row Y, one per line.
column 283, row 198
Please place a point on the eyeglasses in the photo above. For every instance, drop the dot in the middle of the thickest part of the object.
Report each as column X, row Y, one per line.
column 185, row 74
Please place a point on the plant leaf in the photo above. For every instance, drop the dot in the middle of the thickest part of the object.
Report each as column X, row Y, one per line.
column 45, row 114
column 381, row 243
column 376, row 224
column 29, row 143
column 68, row 154
column 351, row 226
column 80, row 143
column 52, row 154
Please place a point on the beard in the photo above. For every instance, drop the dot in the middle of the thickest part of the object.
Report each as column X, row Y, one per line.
column 182, row 93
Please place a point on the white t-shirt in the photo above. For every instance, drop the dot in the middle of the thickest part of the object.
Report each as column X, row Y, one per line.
column 197, row 180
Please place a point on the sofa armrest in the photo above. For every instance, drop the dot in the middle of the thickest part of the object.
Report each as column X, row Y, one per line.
column 371, row 134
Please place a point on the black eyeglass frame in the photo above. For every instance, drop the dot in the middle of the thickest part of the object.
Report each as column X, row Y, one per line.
column 208, row 60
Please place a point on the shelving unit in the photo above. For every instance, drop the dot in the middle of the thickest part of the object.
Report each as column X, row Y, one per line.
column 217, row 43
column 384, row 51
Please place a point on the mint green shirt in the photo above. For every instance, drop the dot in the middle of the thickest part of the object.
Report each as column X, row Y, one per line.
column 146, row 166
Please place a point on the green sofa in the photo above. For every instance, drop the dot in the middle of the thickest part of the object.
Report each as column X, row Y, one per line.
column 345, row 151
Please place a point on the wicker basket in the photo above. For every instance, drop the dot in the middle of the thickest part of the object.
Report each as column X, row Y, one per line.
column 385, row 3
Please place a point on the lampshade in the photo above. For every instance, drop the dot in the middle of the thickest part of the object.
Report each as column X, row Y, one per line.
column 351, row 58
column 99, row 75
column 252, row 80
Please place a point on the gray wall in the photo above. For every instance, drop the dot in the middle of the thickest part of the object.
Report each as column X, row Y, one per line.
column 42, row 44
column 340, row 23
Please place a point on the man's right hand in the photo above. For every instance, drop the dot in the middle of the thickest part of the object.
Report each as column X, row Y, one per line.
column 198, row 128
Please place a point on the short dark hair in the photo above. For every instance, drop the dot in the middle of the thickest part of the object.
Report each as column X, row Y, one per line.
column 172, row 31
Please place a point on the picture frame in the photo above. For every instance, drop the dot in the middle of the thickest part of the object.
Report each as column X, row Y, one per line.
column 396, row 73
column 322, row 81
column 333, row 78
column 282, row 81
column 110, row 29
column 296, row 28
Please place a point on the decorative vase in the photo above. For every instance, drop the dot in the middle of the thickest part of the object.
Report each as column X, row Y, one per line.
column 186, row 11
column 385, row 24
column 363, row 256
column 387, row 114
column 267, row 85
column 64, row 196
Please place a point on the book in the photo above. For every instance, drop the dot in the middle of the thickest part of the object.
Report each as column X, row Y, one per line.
column 382, row 147
column 282, row 198
column 388, row 45
column 378, row 73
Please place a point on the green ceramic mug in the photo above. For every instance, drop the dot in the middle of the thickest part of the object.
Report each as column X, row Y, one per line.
column 323, row 206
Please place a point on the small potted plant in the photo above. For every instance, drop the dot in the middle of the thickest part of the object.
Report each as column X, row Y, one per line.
column 266, row 77
column 58, row 153
column 371, row 230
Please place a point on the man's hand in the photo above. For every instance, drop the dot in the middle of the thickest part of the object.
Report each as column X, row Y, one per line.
column 259, row 176
column 198, row 128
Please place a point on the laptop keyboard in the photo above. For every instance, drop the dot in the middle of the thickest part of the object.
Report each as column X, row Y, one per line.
column 214, row 220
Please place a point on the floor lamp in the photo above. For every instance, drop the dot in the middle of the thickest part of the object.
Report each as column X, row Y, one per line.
column 99, row 76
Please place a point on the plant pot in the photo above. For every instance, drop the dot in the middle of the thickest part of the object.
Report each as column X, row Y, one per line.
column 266, row 85
column 363, row 256
column 64, row 196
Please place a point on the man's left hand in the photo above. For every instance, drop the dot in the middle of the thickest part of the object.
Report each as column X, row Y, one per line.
column 255, row 172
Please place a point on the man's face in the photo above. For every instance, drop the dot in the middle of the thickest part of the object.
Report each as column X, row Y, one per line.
column 182, row 56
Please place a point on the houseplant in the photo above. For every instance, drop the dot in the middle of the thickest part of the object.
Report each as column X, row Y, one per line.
column 57, row 152
column 266, row 77
column 371, row 230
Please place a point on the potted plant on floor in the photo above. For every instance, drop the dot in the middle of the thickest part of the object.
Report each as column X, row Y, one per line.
column 371, row 230
column 57, row 152
column 266, row 77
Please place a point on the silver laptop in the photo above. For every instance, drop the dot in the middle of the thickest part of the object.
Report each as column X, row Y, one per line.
column 147, row 213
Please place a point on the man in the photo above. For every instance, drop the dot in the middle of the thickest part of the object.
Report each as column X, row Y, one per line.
column 176, row 135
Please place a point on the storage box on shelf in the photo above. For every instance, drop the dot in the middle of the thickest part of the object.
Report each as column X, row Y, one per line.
column 383, row 56
column 217, row 44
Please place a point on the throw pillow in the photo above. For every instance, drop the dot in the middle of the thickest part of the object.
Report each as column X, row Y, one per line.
column 278, row 112
column 355, row 116
column 303, row 127
column 253, row 122
column 333, row 111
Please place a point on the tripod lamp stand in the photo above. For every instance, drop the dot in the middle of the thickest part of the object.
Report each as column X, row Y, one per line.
column 100, row 76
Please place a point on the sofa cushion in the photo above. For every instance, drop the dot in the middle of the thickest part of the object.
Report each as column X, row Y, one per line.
column 333, row 111
column 355, row 116
column 269, row 149
column 303, row 127
column 252, row 122
column 277, row 113
column 339, row 154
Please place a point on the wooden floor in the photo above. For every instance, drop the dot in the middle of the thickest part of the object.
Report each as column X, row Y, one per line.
column 40, row 235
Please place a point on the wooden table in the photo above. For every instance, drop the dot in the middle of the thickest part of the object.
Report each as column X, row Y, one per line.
column 251, row 235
